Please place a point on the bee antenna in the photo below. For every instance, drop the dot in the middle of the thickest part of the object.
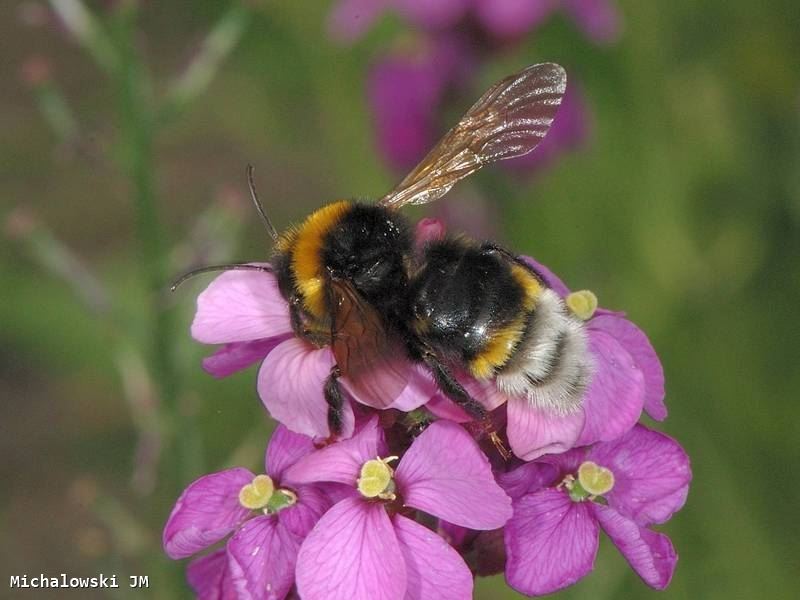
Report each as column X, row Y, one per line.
column 231, row 267
column 264, row 218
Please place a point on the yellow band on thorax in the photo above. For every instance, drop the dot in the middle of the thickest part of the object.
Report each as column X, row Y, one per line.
column 307, row 254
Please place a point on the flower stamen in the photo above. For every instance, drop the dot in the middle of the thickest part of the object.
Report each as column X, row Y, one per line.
column 582, row 304
column 595, row 479
column 260, row 494
column 376, row 479
column 256, row 494
column 592, row 481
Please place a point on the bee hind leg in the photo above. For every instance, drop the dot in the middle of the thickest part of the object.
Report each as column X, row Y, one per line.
column 452, row 388
column 456, row 392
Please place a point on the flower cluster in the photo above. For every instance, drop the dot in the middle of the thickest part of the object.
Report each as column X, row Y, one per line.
column 415, row 498
column 412, row 86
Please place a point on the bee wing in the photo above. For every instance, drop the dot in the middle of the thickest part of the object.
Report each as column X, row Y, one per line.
column 509, row 120
column 373, row 363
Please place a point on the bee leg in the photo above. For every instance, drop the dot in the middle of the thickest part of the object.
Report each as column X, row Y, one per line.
column 452, row 388
column 296, row 319
column 333, row 396
column 456, row 392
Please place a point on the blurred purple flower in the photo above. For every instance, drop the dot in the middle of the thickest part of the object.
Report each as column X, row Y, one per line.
column 245, row 311
column 570, row 130
column 551, row 541
column 268, row 515
column 366, row 546
column 407, row 93
column 599, row 20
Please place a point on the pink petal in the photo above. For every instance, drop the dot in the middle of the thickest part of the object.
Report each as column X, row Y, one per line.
column 615, row 397
column 444, row 408
column 533, row 431
column 312, row 503
column 206, row 512
column 284, row 449
column 350, row 19
column 262, row 557
column 236, row 356
column 210, row 578
column 240, row 306
column 638, row 346
column 600, row 20
column 651, row 474
column 455, row 535
column 352, row 554
column 386, row 381
column 445, row 474
column 649, row 553
column 551, row 279
column 434, row 570
column 341, row 462
column 290, row 384
column 484, row 391
column 418, row 391
column 551, row 542
column 528, row 478
column 512, row 18
column 566, row 462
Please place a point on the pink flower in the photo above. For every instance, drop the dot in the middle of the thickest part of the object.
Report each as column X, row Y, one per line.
column 552, row 538
column 368, row 546
column 268, row 515
column 245, row 311
column 406, row 92
column 627, row 377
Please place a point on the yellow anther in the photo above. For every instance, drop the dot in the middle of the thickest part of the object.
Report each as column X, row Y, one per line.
column 256, row 495
column 582, row 304
column 595, row 479
column 376, row 479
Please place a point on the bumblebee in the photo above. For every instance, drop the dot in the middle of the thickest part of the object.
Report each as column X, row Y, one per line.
column 355, row 280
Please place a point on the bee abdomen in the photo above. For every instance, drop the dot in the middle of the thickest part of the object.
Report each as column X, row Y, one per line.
column 551, row 365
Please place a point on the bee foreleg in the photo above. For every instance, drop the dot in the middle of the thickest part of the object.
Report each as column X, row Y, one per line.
column 333, row 396
column 452, row 388
column 300, row 326
column 296, row 319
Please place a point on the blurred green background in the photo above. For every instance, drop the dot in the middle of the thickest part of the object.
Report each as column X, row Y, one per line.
column 683, row 210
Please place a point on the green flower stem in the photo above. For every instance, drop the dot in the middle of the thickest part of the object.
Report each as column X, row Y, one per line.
column 56, row 112
column 137, row 133
column 88, row 31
